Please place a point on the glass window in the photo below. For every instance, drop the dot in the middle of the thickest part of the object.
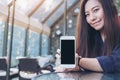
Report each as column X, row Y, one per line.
column 33, row 44
column 17, row 44
column 45, row 45
column 118, row 5
column 59, row 13
column 2, row 25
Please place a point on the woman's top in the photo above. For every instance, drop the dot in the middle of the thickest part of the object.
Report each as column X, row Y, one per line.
column 110, row 63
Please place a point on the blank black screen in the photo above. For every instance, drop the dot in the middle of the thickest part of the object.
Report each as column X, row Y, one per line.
column 67, row 51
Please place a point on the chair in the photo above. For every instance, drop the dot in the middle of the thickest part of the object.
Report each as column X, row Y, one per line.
column 28, row 68
column 3, row 64
column 3, row 68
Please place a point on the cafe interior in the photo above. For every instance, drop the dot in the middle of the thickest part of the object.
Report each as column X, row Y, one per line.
column 30, row 32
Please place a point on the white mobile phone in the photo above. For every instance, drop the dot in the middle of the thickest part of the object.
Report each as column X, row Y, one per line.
column 67, row 46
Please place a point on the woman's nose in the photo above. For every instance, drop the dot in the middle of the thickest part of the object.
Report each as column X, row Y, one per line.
column 92, row 17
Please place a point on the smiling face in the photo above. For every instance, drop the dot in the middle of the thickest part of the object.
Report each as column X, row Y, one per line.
column 94, row 14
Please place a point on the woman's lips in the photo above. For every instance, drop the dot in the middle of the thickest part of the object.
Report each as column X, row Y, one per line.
column 95, row 23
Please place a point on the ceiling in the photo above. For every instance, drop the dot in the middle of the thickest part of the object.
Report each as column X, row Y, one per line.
column 45, row 11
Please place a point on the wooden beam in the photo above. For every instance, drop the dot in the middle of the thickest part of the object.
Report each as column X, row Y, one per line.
column 52, row 12
column 63, row 13
column 11, row 3
column 33, row 11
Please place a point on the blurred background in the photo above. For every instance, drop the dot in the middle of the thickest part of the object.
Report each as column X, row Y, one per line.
column 38, row 25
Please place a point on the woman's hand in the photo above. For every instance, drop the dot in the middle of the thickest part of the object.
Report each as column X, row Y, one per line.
column 77, row 67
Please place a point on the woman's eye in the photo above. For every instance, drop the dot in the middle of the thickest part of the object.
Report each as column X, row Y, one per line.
column 96, row 10
column 86, row 14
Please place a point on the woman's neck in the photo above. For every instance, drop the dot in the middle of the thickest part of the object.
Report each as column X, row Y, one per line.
column 102, row 36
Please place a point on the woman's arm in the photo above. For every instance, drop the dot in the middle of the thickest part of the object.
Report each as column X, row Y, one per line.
column 90, row 64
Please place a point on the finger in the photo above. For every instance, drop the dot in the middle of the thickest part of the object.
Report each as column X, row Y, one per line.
column 72, row 69
column 68, row 70
column 76, row 58
column 58, row 51
column 76, row 55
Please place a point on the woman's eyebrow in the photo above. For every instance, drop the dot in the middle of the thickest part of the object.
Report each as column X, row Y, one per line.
column 92, row 8
column 95, row 7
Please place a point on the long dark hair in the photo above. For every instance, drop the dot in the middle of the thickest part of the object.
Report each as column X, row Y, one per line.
column 86, row 40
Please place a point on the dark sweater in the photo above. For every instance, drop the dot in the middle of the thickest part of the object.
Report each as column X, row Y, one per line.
column 110, row 63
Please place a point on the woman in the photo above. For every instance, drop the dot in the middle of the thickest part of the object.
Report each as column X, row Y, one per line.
column 98, row 36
